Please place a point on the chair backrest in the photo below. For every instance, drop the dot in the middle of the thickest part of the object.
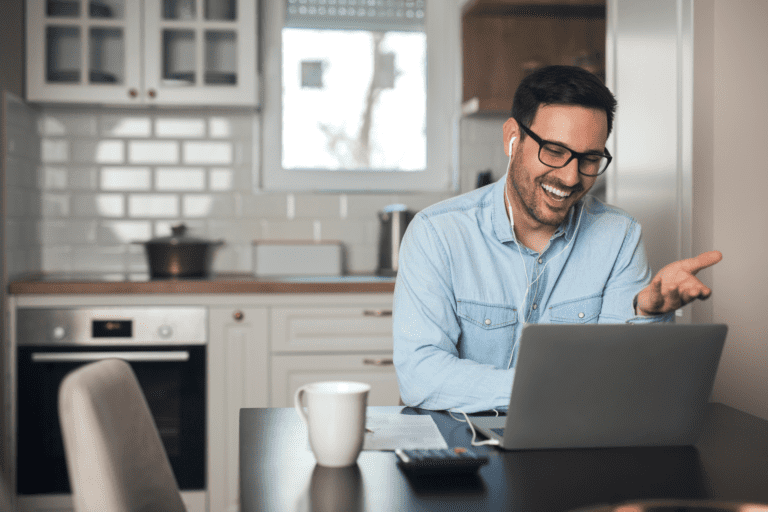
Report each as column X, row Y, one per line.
column 115, row 458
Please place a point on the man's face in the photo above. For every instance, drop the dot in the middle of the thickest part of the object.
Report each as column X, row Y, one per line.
column 543, row 193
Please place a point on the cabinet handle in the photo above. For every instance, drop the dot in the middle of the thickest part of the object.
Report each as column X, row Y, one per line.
column 238, row 316
column 152, row 93
column 133, row 93
column 377, row 312
column 378, row 362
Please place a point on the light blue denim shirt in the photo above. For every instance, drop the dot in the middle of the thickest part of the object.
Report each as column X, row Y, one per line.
column 461, row 285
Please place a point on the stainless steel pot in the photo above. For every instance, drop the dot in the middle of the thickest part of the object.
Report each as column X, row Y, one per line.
column 179, row 255
column 394, row 219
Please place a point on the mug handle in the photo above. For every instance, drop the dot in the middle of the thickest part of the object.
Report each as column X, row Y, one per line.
column 299, row 405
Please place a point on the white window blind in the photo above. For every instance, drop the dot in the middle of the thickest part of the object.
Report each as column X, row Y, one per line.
column 375, row 15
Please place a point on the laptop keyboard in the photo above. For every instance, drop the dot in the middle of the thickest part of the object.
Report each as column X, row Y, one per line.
column 499, row 431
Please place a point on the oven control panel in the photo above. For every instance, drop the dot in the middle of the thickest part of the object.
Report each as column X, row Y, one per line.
column 159, row 325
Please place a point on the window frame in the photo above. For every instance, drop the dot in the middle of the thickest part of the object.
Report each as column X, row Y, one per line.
column 443, row 29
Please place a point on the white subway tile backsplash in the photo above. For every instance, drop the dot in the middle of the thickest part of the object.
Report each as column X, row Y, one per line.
column 367, row 206
column 195, row 228
column 69, row 231
column 98, row 205
column 100, row 152
column 54, row 178
column 351, row 232
column 55, row 205
column 56, row 258
column 208, row 205
column 126, row 178
column 67, row 124
column 268, row 205
column 219, row 127
column 181, row 127
column 83, row 178
column 300, row 229
column 233, row 258
column 244, row 231
column 155, row 205
column 111, row 177
column 54, row 151
column 154, row 152
column 109, row 258
column 183, row 179
column 220, row 179
column 211, row 153
column 317, row 206
column 124, row 231
column 118, row 125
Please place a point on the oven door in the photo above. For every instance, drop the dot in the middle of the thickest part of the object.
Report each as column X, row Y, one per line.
column 172, row 379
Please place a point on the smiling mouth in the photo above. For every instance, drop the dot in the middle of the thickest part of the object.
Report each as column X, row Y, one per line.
column 555, row 193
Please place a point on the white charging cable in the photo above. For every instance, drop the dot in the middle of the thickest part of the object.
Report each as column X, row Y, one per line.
column 520, row 252
column 493, row 442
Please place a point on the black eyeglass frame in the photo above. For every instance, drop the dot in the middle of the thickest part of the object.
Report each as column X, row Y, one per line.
column 574, row 154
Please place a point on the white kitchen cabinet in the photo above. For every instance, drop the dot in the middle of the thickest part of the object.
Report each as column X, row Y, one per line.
column 237, row 377
column 343, row 342
column 142, row 52
column 290, row 372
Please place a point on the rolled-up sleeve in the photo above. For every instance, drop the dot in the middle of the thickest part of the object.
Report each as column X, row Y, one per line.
column 630, row 275
column 426, row 331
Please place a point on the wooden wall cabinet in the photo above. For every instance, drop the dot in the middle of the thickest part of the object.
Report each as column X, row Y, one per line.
column 504, row 40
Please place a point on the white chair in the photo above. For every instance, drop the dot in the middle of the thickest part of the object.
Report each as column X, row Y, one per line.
column 115, row 458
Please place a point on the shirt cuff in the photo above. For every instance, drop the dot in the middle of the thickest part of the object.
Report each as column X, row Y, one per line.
column 642, row 319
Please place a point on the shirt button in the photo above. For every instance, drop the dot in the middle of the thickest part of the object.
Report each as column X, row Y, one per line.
column 535, row 306
column 581, row 315
column 487, row 321
column 540, row 260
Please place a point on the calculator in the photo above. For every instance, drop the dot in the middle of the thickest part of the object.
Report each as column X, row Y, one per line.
column 440, row 461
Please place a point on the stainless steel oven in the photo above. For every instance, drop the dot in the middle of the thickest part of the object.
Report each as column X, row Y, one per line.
column 166, row 347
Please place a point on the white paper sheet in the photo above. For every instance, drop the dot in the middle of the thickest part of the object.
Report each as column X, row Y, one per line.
column 408, row 431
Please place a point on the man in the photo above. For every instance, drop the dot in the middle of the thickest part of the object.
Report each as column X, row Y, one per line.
column 532, row 247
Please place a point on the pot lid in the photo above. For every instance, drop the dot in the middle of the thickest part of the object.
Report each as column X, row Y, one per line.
column 179, row 237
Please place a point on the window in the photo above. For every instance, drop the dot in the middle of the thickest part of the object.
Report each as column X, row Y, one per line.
column 360, row 95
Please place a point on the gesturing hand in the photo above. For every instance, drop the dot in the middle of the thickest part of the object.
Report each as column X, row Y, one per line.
column 676, row 285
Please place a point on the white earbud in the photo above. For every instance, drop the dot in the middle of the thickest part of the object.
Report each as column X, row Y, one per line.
column 510, row 145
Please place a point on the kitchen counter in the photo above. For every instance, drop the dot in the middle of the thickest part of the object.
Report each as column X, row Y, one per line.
column 69, row 284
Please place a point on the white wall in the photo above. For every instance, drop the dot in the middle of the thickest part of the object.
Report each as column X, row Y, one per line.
column 730, row 194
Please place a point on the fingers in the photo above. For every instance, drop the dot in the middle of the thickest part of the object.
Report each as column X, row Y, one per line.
column 702, row 261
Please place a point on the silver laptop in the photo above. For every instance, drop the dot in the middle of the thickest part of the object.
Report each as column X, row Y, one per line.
column 588, row 386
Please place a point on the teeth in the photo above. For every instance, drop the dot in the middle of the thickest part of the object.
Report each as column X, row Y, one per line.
column 555, row 191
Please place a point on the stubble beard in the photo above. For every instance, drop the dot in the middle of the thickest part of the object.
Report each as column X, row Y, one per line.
column 526, row 193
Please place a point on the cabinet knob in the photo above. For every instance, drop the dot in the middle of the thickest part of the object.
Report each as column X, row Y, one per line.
column 377, row 312
column 133, row 93
column 152, row 93
column 238, row 316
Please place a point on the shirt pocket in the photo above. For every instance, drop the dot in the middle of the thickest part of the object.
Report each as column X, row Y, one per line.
column 584, row 310
column 487, row 332
column 486, row 316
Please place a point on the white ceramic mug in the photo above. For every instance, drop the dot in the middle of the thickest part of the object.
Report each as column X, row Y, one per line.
column 335, row 419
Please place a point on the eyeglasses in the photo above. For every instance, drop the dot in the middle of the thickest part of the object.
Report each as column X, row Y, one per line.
column 556, row 155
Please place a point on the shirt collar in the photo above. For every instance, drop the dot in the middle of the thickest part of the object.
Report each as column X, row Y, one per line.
column 503, row 227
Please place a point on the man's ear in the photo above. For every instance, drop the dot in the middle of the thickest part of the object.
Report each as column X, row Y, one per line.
column 511, row 131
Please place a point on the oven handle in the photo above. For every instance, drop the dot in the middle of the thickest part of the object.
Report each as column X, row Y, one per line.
column 78, row 357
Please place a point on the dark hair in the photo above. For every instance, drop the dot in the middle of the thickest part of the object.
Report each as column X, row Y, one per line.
column 561, row 85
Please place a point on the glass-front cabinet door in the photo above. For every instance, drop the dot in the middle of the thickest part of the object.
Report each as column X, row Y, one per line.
column 84, row 51
column 143, row 52
column 201, row 51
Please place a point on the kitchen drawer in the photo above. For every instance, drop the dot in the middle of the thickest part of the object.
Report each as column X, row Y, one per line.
column 335, row 329
column 290, row 372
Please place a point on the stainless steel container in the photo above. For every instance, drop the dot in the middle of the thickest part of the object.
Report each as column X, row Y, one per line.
column 394, row 219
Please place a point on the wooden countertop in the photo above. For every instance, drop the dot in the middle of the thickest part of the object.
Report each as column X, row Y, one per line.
column 219, row 284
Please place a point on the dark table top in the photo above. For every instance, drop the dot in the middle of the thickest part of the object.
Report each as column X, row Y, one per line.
column 278, row 471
